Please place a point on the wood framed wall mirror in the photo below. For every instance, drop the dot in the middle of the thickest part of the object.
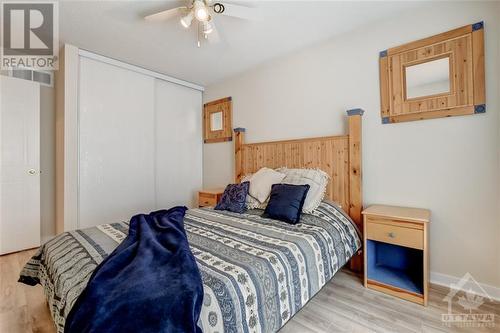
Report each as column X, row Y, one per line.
column 217, row 120
column 439, row 76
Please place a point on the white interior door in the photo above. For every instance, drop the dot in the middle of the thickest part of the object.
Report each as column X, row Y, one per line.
column 178, row 144
column 19, row 164
column 116, row 143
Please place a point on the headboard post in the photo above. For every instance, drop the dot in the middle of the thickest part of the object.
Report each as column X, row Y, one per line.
column 238, row 152
column 355, row 177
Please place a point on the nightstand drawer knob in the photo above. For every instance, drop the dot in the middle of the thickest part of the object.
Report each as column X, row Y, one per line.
column 391, row 234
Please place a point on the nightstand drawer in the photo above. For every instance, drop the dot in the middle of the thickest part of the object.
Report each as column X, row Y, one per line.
column 393, row 234
column 209, row 197
column 207, row 200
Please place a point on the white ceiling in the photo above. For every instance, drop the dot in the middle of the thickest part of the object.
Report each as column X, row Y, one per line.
column 117, row 29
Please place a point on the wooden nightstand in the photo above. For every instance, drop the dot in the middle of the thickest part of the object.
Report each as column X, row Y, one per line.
column 396, row 255
column 209, row 197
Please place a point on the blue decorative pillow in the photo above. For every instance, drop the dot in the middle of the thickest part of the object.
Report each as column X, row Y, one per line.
column 233, row 198
column 285, row 202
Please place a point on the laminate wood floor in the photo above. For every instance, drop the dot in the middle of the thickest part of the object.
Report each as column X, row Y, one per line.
column 343, row 305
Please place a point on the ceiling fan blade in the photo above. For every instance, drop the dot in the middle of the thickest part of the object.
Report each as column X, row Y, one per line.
column 166, row 14
column 242, row 12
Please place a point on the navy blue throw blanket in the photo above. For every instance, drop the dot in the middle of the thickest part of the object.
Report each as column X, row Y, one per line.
column 150, row 283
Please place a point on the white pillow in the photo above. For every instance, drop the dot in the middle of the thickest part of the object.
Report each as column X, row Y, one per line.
column 250, row 201
column 317, row 180
column 261, row 182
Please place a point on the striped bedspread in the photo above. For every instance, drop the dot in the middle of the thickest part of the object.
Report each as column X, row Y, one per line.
column 256, row 272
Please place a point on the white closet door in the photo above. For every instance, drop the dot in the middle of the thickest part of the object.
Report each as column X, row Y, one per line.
column 19, row 164
column 178, row 144
column 116, row 143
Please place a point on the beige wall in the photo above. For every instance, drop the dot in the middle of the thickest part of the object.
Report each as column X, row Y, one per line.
column 449, row 165
column 498, row 143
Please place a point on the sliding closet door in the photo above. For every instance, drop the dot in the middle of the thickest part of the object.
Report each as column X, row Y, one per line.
column 178, row 144
column 116, row 143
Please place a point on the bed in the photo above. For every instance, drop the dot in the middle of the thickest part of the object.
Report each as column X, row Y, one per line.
column 256, row 272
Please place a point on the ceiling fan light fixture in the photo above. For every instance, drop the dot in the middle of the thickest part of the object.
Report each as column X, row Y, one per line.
column 207, row 27
column 218, row 8
column 186, row 20
column 200, row 11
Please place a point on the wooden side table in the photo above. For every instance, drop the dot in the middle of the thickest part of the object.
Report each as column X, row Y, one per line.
column 396, row 241
column 209, row 197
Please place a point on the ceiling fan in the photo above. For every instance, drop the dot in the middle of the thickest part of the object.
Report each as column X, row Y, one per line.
column 202, row 13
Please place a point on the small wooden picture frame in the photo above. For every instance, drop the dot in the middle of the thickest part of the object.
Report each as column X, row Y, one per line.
column 217, row 120
column 438, row 76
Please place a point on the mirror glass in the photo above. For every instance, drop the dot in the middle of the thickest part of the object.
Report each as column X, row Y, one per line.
column 428, row 78
column 216, row 121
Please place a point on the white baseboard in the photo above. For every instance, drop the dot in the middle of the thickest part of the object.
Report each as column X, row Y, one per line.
column 446, row 281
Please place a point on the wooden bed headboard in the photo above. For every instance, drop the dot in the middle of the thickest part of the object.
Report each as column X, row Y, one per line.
column 339, row 156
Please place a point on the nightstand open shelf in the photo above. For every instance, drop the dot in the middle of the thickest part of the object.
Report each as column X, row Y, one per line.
column 395, row 266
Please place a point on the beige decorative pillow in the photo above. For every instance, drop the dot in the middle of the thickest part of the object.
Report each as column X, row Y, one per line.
column 261, row 182
column 250, row 201
column 317, row 180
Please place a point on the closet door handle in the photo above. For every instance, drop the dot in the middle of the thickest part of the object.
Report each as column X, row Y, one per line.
column 32, row 171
